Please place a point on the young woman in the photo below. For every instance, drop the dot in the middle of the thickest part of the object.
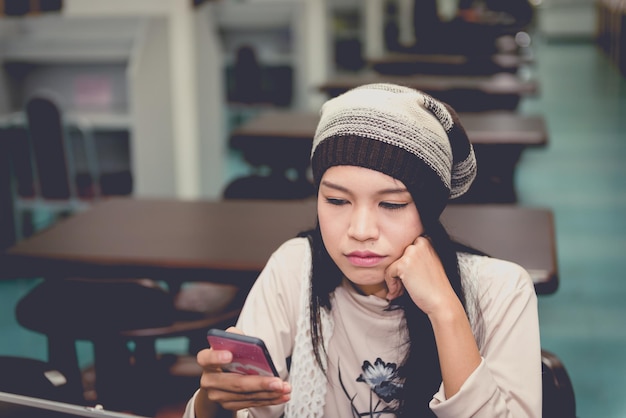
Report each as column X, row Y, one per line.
column 377, row 312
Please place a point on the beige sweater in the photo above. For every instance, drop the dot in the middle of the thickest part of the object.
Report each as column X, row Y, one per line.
column 364, row 343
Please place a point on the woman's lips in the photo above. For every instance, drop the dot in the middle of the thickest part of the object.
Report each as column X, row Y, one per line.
column 364, row 258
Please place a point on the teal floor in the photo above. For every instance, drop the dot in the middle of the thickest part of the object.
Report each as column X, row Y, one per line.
column 581, row 176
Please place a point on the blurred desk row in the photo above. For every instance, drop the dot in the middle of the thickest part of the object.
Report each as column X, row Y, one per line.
column 108, row 132
column 98, row 121
column 83, row 155
column 230, row 241
column 465, row 93
column 404, row 63
column 282, row 141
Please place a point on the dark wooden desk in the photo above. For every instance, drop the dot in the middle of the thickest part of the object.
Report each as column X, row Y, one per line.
column 282, row 140
column 486, row 128
column 502, row 91
column 230, row 241
column 398, row 63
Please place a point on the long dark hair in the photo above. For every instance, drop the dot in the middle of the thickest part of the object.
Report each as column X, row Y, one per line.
column 421, row 371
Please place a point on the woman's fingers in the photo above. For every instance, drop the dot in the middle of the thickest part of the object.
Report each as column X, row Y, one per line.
column 212, row 360
column 418, row 272
column 394, row 287
column 234, row 391
column 235, row 405
column 246, row 384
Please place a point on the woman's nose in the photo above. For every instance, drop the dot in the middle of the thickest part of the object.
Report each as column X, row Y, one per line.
column 363, row 225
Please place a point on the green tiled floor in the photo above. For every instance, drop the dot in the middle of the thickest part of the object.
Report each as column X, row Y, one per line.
column 581, row 175
column 14, row 340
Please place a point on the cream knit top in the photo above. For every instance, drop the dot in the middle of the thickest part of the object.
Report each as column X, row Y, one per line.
column 364, row 344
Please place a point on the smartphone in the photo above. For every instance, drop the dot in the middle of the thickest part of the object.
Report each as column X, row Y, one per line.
column 250, row 356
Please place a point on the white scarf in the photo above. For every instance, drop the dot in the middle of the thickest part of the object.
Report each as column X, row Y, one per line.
column 308, row 382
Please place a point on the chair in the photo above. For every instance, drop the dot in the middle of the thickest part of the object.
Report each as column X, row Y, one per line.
column 273, row 186
column 35, row 378
column 7, row 221
column 123, row 319
column 245, row 91
column 558, row 393
column 279, row 169
column 52, row 183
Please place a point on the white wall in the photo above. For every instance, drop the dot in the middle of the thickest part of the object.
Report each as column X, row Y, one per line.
column 567, row 19
column 210, row 103
column 150, row 100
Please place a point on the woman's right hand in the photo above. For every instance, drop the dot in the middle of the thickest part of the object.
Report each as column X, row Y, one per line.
column 234, row 391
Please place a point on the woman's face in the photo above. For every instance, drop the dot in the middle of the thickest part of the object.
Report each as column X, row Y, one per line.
column 367, row 219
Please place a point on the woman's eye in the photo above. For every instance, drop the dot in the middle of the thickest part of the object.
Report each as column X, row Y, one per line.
column 335, row 201
column 389, row 205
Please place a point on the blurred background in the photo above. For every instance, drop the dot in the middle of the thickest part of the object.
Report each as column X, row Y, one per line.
column 152, row 91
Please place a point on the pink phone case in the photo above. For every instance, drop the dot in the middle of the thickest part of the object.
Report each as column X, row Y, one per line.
column 250, row 356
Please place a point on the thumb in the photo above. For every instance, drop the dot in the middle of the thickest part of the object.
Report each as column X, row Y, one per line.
column 234, row 330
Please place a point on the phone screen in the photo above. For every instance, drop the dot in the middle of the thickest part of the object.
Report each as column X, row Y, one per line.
column 250, row 356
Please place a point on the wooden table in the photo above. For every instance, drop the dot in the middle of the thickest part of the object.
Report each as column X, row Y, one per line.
column 230, row 241
column 486, row 128
column 399, row 63
column 282, row 140
column 475, row 93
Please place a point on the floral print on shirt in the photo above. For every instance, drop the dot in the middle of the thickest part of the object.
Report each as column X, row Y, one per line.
column 383, row 380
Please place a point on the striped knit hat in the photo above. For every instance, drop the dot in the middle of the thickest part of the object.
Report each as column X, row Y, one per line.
column 400, row 132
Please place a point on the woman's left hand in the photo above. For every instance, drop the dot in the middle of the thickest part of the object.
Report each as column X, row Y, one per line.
column 420, row 273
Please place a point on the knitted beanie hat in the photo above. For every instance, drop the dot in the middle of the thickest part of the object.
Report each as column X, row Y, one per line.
column 398, row 131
